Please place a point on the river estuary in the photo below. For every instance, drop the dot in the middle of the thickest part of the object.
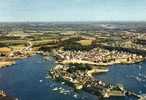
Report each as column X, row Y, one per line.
column 27, row 80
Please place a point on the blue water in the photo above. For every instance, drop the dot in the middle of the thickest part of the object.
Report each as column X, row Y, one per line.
column 27, row 81
column 132, row 76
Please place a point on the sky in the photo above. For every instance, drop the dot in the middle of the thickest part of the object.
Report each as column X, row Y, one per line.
column 72, row 10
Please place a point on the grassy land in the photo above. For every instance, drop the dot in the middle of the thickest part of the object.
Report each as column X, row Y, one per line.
column 85, row 42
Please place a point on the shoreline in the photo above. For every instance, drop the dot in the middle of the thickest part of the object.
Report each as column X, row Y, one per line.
column 99, row 64
column 4, row 64
column 81, row 80
column 75, row 70
column 8, row 61
column 5, row 96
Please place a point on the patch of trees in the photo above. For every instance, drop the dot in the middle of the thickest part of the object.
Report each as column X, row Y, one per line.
column 10, row 38
column 72, row 45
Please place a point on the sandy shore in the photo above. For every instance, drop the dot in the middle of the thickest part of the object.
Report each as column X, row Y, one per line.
column 4, row 64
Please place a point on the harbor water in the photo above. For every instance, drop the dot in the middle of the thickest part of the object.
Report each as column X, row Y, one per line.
column 28, row 80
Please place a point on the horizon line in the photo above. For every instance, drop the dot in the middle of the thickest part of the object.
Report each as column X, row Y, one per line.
column 72, row 21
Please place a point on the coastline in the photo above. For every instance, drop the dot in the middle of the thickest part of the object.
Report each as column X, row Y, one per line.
column 79, row 73
column 4, row 64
